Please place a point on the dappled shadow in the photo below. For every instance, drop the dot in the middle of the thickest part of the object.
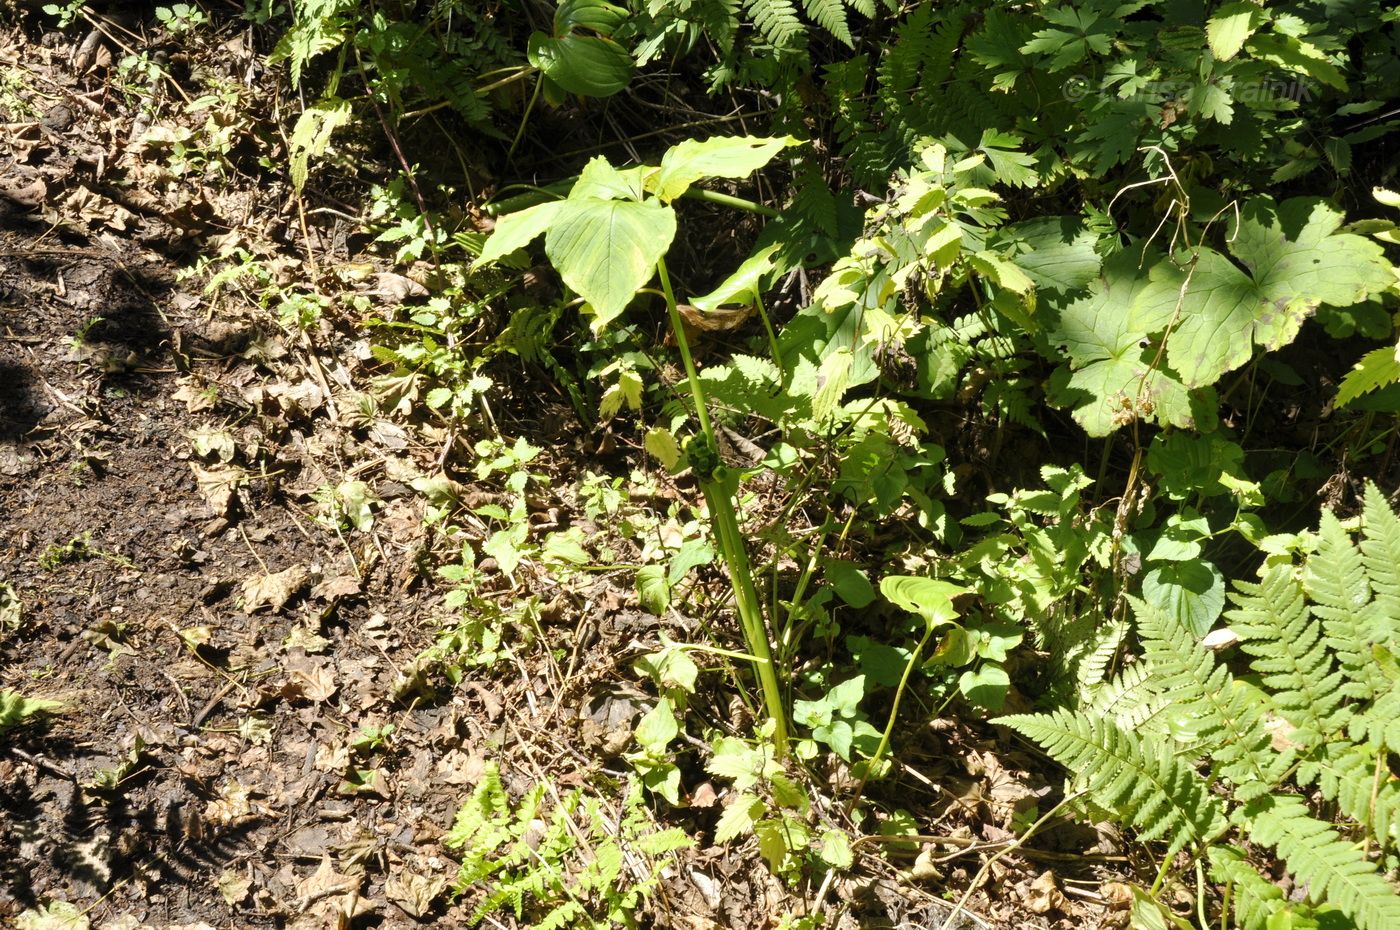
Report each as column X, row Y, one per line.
column 151, row 824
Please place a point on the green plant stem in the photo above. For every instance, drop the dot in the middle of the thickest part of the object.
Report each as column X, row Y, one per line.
column 772, row 333
column 726, row 200
column 525, row 119
column 725, row 522
column 538, row 195
column 889, row 724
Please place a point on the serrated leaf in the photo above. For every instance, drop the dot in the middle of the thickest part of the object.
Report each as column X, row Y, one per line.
column 1296, row 259
column 1011, row 165
column 312, row 134
column 1114, row 380
column 607, row 250
column 1230, row 26
column 1061, row 255
column 1296, row 55
column 661, row 444
column 738, row 818
column 1377, row 368
column 836, row 849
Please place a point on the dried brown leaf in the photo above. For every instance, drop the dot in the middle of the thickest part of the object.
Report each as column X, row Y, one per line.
column 276, row 589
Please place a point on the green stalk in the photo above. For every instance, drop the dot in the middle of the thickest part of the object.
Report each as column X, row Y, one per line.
column 889, row 724
column 719, row 496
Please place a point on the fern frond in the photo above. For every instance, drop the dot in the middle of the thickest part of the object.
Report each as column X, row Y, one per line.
column 1226, row 717
column 1102, row 651
column 1380, row 551
column 1377, row 369
column 1333, row 869
column 1336, row 581
column 1148, row 787
column 1379, row 724
column 1289, row 655
column 831, row 16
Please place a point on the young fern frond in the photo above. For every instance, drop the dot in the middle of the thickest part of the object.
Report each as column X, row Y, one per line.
column 831, row 16
column 1333, row 869
column 1289, row 654
column 1138, row 779
column 777, row 21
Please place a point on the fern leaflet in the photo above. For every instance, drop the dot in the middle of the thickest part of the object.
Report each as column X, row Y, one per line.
column 1336, row 581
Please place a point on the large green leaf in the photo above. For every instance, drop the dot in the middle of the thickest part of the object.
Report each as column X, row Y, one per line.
column 600, row 180
column 930, row 598
column 596, row 15
column 590, row 66
column 1114, row 377
column 1061, row 252
column 606, row 250
column 718, row 157
column 1231, row 25
column 1297, row 261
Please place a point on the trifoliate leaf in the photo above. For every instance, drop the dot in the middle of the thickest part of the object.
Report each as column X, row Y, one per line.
column 1012, row 166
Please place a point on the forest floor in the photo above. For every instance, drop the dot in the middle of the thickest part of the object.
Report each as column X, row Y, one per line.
column 228, row 661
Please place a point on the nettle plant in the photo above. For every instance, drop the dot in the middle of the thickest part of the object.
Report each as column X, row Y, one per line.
column 1291, row 749
column 608, row 239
